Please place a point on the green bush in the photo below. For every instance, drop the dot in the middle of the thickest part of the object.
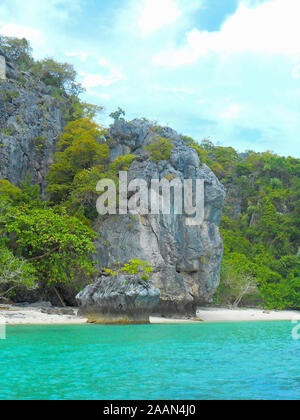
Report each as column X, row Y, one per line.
column 15, row 272
column 59, row 76
column 160, row 149
column 56, row 245
column 133, row 267
column 18, row 51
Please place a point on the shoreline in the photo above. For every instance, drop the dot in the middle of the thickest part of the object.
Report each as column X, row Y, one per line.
column 36, row 315
column 33, row 315
column 208, row 315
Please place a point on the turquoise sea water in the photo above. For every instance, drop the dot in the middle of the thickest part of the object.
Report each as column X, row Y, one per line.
column 198, row 361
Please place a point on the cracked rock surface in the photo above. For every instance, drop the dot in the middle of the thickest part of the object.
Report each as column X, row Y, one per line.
column 30, row 127
column 120, row 299
column 186, row 259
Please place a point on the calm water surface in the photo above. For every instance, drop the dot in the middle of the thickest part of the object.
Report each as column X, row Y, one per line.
column 198, row 361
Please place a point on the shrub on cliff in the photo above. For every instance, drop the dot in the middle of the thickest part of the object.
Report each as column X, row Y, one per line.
column 160, row 149
column 18, row 51
column 60, row 76
column 83, row 196
column 132, row 267
column 81, row 147
column 81, row 162
column 118, row 115
column 122, row 163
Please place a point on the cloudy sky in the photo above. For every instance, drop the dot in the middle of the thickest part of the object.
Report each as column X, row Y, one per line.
column 224, row 69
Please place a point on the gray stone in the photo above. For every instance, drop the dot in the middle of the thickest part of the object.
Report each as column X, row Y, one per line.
column 120, row 299
column 59, row 311
column 41, row 305
column 31, row 124
column 186, row 259
column 2, row 67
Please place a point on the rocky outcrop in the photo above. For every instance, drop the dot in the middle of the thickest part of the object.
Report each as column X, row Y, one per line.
column 186, row 260
column 120, row 299
column 30, row 126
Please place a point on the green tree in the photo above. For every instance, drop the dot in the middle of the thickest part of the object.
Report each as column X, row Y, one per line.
column 239, row 279
column 17, row 51
column 82, row 146
column 15, row 272
column 60, row 76
column 261, row 222
column 117, row 115
column 160, row 149
column 57, row 246
column 122, row 163
column 8, row 191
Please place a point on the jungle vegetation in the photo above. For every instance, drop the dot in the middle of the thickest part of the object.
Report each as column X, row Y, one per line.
column 48, row 244
column 260, row 227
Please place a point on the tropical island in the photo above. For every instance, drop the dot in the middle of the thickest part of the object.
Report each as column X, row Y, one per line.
column 54, row 244
column 149, row 203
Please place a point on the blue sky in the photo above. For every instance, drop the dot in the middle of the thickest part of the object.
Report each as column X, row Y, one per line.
column 224, row 69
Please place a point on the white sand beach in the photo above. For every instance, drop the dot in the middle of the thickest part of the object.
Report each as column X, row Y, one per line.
column 239, row 315
column 206, row 315
column 160, row 320
column 37, row 315
column 15, row 315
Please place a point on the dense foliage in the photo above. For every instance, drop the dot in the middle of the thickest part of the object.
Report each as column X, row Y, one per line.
column 18, row 51
column 261, row 226
column 80, row 148
column 81, row 162
column 133, row 267
column 118, row 115
column 60, row 78
column 41, row 246
column 14, row 272
column 160, row 149
column 49, row 244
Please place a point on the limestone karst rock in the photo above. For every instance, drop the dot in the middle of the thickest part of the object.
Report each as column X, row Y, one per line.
column 186, row 259
column 31, row 124
column 120, row 299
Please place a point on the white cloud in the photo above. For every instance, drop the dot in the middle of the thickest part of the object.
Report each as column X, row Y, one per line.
column 174, row 90
column 232, row 112
column 240, row 84
column 93, row 80
column 35, row 36
column 296, row 69
column 270, row 28
column 60, row 10
column 82, row 56
column 155, row 14
column 102, row 96
column 179, row 93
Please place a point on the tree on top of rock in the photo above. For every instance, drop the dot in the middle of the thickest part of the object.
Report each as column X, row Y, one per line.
column 82, row 146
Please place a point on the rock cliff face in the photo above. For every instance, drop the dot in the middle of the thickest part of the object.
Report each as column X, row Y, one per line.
column 186, row 259
column 121, row 299
column 30, row 126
